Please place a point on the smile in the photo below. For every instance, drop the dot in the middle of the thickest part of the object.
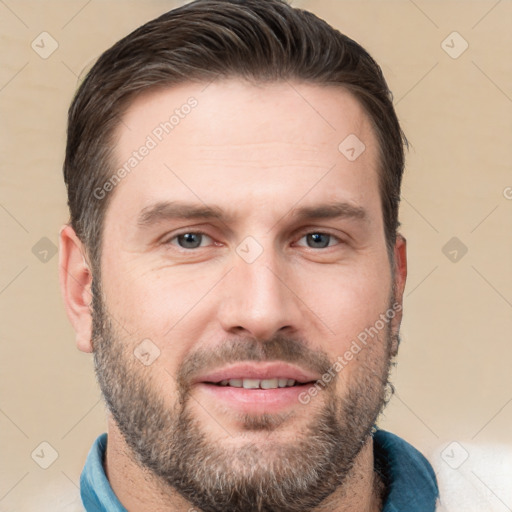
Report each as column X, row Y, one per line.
column 258, row 383
column 256, row 387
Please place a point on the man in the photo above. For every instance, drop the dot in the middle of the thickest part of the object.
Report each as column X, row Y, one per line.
column 233, row 262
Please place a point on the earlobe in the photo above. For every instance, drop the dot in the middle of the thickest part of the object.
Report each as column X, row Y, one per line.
column 75, row 278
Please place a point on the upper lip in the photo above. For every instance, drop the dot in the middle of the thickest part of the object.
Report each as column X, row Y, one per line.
column 261, row 371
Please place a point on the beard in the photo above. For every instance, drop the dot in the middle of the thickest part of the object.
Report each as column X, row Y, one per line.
column 262, row 474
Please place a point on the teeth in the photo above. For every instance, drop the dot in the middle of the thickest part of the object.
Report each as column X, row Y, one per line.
column 283, row 383
column 258, row 383
column 269, row 383
column 251, row 383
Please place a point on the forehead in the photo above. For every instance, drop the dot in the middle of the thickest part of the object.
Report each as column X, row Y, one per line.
column 230, row 140
column 236, row 111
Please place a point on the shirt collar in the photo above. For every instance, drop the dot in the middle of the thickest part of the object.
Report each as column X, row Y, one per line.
column 409, row 478
column 95, row 490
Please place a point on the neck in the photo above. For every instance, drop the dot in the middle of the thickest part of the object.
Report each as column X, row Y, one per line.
column 362, row 490
column 139, row 491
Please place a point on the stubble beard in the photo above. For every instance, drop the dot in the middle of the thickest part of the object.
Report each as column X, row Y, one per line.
column 265, row 476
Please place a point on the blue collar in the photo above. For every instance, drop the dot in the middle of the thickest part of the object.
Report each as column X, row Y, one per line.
column 410, row 479
column 95, row 490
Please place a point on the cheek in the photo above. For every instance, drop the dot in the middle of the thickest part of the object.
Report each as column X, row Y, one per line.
column 152, row 298
column 166, row 306
column 364, row 362
column 349, row 300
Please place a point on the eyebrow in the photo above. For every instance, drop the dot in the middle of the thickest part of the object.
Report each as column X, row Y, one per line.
column 169, row 210
column 173, row 210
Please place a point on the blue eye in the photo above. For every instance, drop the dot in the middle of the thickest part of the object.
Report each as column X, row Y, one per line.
column 196, row 239
column 191, row 240
column 318, row 240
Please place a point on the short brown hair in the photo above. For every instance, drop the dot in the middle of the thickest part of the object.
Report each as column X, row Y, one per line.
column 257, row 40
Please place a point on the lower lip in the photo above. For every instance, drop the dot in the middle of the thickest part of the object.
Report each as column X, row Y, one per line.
column 256, row 400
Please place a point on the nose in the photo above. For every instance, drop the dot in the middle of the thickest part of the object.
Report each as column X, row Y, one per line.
column 258, row 298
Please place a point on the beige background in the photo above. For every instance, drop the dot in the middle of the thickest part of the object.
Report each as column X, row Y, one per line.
column 453, row 379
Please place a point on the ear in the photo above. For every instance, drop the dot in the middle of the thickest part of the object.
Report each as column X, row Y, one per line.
column 75, row 283
column 400, row 262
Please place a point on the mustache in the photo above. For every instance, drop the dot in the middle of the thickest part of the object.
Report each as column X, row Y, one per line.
column 278, row 348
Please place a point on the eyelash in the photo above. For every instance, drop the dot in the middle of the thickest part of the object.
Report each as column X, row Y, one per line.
column 303, row 234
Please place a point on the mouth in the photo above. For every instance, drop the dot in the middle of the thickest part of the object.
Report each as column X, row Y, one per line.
column 273, row 383
column 257, row 388
column 269, row 375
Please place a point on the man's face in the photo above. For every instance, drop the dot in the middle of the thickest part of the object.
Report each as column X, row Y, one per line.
column 267, row 291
